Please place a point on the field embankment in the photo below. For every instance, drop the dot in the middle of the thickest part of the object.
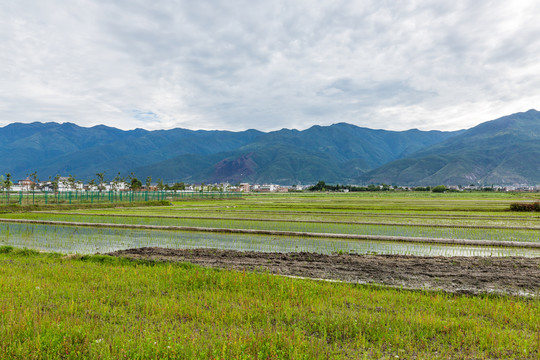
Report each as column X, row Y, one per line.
column 16, row 208
column 471, row 275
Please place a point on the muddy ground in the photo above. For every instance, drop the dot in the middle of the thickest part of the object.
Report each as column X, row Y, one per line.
column 472, row 275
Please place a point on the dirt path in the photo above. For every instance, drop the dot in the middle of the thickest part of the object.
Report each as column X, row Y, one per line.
column 472, row 275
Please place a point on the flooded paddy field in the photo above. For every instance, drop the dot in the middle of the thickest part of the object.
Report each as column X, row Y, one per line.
column 394, row 227
column 478, row 217
column 85, row 240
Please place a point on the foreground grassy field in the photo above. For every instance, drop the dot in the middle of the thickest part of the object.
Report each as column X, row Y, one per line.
column 93, row 306
column 53, row 306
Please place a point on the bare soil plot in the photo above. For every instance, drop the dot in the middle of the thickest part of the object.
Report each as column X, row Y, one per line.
column 470, row 275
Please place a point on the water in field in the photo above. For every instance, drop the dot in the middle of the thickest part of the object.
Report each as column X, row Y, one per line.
column 421, row 229
column 84, row 240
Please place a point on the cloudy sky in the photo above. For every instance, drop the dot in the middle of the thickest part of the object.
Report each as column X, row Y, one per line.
column 234, row 64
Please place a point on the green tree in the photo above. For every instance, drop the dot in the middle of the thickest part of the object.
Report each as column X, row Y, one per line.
column 7, row 185
column 101, row 181
column 91, row 184
column 2, row 183
column 71, row 182
column 135, row 184
column 55, row 182
column 320, row 186
column 179, row 186
column 160, row 184
column 438, row 189
column 116, row 181
column 34, row 184
column 148, row 183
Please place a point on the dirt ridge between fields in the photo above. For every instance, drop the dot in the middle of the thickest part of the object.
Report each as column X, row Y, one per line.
column 468, row 275
column 447, row 226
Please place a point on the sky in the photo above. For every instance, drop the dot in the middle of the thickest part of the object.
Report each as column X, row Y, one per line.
column 267, row 65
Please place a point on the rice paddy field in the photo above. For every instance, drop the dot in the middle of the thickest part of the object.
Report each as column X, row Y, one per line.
column 299, row 222
column 67, row 302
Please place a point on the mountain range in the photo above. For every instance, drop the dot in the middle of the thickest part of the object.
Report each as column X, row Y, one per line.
column 501, row 151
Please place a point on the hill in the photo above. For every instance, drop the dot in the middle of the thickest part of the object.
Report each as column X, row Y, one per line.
column 502, row 151
column 336, row 153
column 51, row 148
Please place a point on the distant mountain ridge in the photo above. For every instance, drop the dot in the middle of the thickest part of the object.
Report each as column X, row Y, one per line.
column 52, row 148
column 338, row 153
column 501, row 151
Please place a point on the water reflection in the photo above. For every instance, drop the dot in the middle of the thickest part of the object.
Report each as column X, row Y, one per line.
column 84, row 240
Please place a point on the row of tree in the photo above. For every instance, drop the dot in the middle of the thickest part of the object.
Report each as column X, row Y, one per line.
column 322, row 186
column 99, row 183
column 6, row 183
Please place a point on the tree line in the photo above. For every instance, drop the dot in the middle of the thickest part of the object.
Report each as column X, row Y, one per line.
column 99, row 182
column 322, row 186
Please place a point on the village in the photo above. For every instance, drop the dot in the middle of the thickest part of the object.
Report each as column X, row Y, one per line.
column 65, row 184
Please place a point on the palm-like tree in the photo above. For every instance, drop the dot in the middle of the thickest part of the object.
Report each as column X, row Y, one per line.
column 7, row 185
column 101, row 180
column 33, row 177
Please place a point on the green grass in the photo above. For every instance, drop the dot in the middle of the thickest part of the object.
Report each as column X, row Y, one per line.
column 16, row 208
column 107, row 308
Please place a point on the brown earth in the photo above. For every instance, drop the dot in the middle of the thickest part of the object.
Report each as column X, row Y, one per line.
column 470, row 275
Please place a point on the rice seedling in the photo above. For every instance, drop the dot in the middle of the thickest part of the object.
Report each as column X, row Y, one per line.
column 84, row 240
column 443, row 231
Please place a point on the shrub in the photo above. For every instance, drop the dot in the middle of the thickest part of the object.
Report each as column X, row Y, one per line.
column 439, row 189
column 6, row 249
column 525, row 206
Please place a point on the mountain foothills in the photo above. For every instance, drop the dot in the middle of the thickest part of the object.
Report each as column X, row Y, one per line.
column 502, row 151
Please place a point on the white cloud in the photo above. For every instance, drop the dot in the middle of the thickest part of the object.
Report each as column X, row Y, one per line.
column 268, row 64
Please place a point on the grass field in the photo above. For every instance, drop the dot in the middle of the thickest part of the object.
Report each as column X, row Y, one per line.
column 94, row 306
column 100, row 307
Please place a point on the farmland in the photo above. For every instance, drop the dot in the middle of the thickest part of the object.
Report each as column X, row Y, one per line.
column 314, row 223
column 110, row 307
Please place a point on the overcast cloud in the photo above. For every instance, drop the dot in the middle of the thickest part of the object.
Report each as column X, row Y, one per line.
column 229, row 64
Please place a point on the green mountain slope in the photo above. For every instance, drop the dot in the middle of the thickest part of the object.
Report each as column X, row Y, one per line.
column 502, row 151
column 51, row 148
column 337, row 153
